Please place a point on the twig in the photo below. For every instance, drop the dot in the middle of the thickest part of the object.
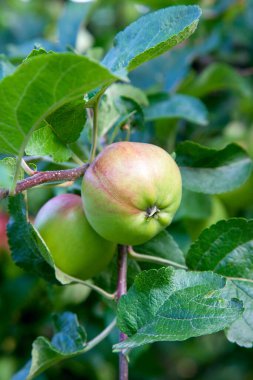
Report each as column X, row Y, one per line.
column 121, row 290
column 153, row 259
column 48, row 176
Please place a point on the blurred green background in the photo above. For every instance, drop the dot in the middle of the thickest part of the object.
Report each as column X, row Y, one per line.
column 216, row 66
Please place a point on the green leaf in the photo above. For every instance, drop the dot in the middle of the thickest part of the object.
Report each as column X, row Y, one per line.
column 108, row 113
column 130, row 92
column 162, row 245
column 5, row 182
column 225, row 248
column 27, row 248
column 39, row 87
column 180, row 107
column 150, row 36
column 68, row 121
column 36, row 52
column 108, row 279
column 113, row 108
column 194, row 206
column 68, row 341
column 212, row 171
column 43, row 142
column 218, row 77
column 241, row 331
column 169, row 305
column 7, row 172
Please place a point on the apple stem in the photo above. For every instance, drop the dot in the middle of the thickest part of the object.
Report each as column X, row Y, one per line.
column 122, row 289
column 94, row 114
column 152, row 211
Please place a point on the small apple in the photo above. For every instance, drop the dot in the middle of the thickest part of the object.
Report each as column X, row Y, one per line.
column 240, row 198
column 76, row 248
column 131, row 192
column 218, row 212
column 4, row 218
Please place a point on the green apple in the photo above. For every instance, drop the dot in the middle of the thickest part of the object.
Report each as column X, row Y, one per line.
column 131, row 192
column 218, row 212
column 76, row 248
column 239, row 198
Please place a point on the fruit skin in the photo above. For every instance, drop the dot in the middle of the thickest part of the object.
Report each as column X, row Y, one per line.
column 131, row 192
column 219, row 212
column 4, row 246
column 76, row 248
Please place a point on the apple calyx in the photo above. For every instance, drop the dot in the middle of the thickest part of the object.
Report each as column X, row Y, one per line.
column 152, row 212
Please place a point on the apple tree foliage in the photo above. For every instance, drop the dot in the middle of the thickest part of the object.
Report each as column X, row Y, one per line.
column 144, row 87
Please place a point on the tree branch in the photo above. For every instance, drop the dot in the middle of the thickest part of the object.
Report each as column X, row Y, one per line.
column 43, row 177
column 122, row 289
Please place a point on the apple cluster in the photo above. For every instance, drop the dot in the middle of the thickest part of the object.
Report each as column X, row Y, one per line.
column 130, row 192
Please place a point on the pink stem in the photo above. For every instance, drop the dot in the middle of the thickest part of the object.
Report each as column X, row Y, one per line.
column 48, row 176
column 122, row 289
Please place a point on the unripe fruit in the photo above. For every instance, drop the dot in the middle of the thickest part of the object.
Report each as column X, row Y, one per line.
column 218, row 212
column 240, row 198
column 76, row 248
column 131, row 192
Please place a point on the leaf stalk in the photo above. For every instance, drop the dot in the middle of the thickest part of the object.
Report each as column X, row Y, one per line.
column 94, row 129
column 153, row 259
column 92, row 343
column 102, row 292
